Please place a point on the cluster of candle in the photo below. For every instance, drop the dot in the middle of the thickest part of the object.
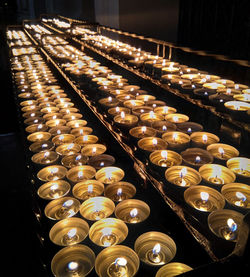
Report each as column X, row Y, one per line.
column 163, row 133
column 67, row 157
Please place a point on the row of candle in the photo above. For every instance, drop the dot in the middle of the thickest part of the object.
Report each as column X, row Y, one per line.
column 225, row 94
column 48, row 103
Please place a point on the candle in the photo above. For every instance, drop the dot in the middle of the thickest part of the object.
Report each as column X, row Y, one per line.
column 176, row 140
column 222, row 151
column 120, row 191
column 203, row 139
column 152, row 143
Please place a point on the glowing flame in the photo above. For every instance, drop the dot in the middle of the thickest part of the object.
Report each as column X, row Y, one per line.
column 61, row 137
column 241, row 196
column 154, row 141
column 164, row 128
column 232, row 225
column 197, row 159
column 93, row 150
column 119, row 191
column 78, row 157
column 164, row 154
column 85, row 138
column 68, row 203
column 110, row 99
column 221, row 151
column 204, row 196
column 80, row 174
column 189, row 130
column 204, row 138
column 183, row 172
column 90, row 188
column 40, row 126
column 157, row 248
column 120, row 262
column 71, row 233
column 133, row 212
column 54, row 170
column 46, row 154
column 152, row 115
column 122, row 115
column 72, row 266
column 117, row 109
column 175, row 136
column 109, row 173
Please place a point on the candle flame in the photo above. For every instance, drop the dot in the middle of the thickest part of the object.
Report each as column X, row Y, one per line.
column 85, row 138
column 221, row 151
column 175, row 118
column 175, row 136
column 189, row 130
column 204, row 138
column 204, row 196
column 117, row 109
column 143, row 129
column 70, row 146
column 54, row 187
column 71, row 233
column 107, row 231
column 241, row 196
column 46, row 154
column 157, row 248
column 122, row 115
column 133, row 212
column 151, row 114
column 154, row 141
column 232, row 225
column 72, row 266
column 121, row 262
column 90, row 188
column 119, row 191
column 110, row 99
column 164, row 128
column 183, row 172
column 78, row 157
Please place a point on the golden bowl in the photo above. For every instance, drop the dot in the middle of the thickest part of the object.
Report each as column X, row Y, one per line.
column 100, row 161
column 86, row 139
column 164, row 110
column 176, row 140
column 50, row 110
column 55, row 122
column 76, row 123
column 120, row 191
column 34, row 120
column 96, row 208
column 165, row 158
column 53, row 189
column 204, row 199
column 222, row 151
column 32, row 108
column 109, row 174
column 225, row 224
column 65, row 105
column 69, row 110
column 117, row 111
column 240, row 166
column 237, row 194
column 108, row 232
column 131, row 88
column 81, row 131
column 28, row 103
column 58, row 130
column 150, row 118
column 93, row 149
column 36, row 128
column 76, row 260
column 45, row 157
column 61, row 100
column 62, row 208
column 63, row 139
column 217, row 174
column 242, row 97
column 52, row 116
column 237, row 106
column 132, row 211
column 87, row 189
column 69, row 231
column 133, row 103
column 155, row 248
column 73, row 160
column 173, row 269
column 183, row 176
column 203, row 139
column 80, row 173
column 68, row 149
column 142, row 131
column 124, row 97
column 52, row 173
column 39, row 136
column 145, row 97
column 117, row 260
column 163, row 127
column 72, row 116
column 152, row 143
column 32, row 114
column 176, row 118
column 41, row 146
column 196, row 157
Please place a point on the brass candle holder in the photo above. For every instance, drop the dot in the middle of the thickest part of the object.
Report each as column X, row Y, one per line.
column 69, row 110
column 216, row 174
column 80, row 173
column 132, row 211
column 65, row 105
column 108, row 232
column 109, row 175
column 97, row 208
column 176, row 141
column 126, row 120
column 222, row 151
column 164, row 110
column 87, row 189
column 76, row 123
column 53, row 116
column 72, row 116
column 32, row 108
column 50, row 110
column 163, row 127
column 117, row 111
column 131, row 88
column 41, row 146
column 62, row 208
column 125, row 97
column 34, row 120
column 213, row 85
column 32, row 114
column 33, row 128
column 53, row 190
column 182, row 176
column 76, row 260
column 109, row 102
column 142, row 131
column 242, row 97
column 240, row 166
column 39, row 136
column 63, row 139
column 203, row 139
column 58, row 130
column 81, row 131
column 100, row 161
column 69, row 231
column 120, row 191
column 145, row 97
column 155, row 248
column 86, row 139
column 176, row 118
column 173, row 269
column 204, row 199
column 28, row 103
column 117, row 260
column 189, row 127
column 133, row 103
column 237, row 194
column 93, row 149
column 73, row 160
column 151, row 144
column 196, row 157
column 225, row 224
column 138, row 110
column 55, row 122
column 68, row 149
column 149, row 118
column 52, row 173
column 45, row 157
column 165, row 158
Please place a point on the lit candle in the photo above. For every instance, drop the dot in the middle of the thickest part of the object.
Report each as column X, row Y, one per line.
column 240, row 199
column 181, row 180
column 216, row 178
column 229, row 232
column 70, row 237
column 155, row 255
column 203, row 203
column 73, row 268
column 118, row 268
column 204, row 138
column 133, row 216
column 108, row 238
